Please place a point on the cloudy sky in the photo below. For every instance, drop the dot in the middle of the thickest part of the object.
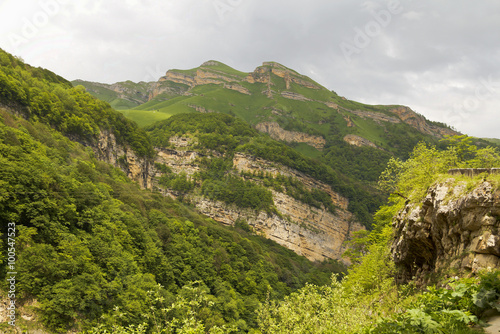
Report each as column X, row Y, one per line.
column 441, row 58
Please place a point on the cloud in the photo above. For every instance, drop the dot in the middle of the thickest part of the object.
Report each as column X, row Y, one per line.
column 432, row 56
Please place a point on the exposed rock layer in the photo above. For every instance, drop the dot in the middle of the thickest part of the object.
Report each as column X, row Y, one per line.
column 276, row 132
column 358, row 141
column 452, row 229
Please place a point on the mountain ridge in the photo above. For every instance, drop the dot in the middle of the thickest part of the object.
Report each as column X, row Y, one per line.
column 215, row 72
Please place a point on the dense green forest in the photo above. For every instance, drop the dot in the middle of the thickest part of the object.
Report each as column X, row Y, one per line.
column 42, row 96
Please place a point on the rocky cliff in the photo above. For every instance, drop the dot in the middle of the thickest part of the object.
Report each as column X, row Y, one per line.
column 454, row 229
column 315, row 233
column 418, row 121
column 358, row 141
column 276, row 132
column 137, row 168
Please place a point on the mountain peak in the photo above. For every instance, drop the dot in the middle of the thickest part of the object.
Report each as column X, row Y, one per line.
column 212, row 63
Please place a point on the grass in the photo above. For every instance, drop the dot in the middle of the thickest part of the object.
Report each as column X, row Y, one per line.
column 493, row 140
column 370, row 130
column 147, row 117
column 226, row 69
column 307, row 150
column 121, row 104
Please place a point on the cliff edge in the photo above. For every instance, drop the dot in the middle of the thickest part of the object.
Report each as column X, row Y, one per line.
column 454, row 230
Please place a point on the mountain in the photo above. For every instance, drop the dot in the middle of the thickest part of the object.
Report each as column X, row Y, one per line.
column 288, row 106
column 354, row 139
column 115, row 225
column 94, row 250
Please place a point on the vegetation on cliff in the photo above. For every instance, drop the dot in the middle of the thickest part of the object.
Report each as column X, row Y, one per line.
column 227, row 135
column 410, row 179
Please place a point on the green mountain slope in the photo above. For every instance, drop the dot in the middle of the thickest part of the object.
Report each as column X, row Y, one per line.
column 354, row 138
column 92, row 248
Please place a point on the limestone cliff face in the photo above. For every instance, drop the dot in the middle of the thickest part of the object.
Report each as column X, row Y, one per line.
column 419, row 122
column 315, row 233
column 262, row 75
column 294, row 96
column 138, row 169
column 178, row 78
column 451, row 228
column 358, row 141
column 276, row 132
column 238, row 88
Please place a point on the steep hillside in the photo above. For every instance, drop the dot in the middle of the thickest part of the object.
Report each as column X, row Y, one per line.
column 230, row 172
column 94, row 250
column 353, row 138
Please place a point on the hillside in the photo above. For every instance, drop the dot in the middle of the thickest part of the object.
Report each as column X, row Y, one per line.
column 355, row 139
column 230, row 172
column 94, row 250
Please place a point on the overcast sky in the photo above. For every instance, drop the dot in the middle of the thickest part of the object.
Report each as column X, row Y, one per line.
column 441, row 58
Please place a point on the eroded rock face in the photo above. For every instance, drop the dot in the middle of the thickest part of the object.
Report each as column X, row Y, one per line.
column 451, row 229
column 312, row 232
column 358, row 141
column 419, row 122
column 137, row 168
column 276, row 132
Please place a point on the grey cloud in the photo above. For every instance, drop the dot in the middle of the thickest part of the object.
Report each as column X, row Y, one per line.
column 431, row 56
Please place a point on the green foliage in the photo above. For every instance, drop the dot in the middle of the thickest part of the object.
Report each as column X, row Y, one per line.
column 449, row 309
column 43, row 96
column 410, row 179
column 243, row 193
column 348, row 306
column 91, row 245
column 215, row 131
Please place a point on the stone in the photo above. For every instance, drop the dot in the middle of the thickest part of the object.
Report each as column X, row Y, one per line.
column 453, row 229
column 276, row 132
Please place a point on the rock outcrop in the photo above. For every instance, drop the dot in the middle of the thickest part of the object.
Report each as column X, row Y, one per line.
column 315, row 233
column 137, row 168
column 276, row 132
column 452, row 229
column 358, row 141
column 419, row 122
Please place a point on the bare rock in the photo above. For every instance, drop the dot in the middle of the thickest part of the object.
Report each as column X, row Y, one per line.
column 450, row 227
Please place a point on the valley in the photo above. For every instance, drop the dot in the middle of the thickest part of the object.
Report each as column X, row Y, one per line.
column 220, row 201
